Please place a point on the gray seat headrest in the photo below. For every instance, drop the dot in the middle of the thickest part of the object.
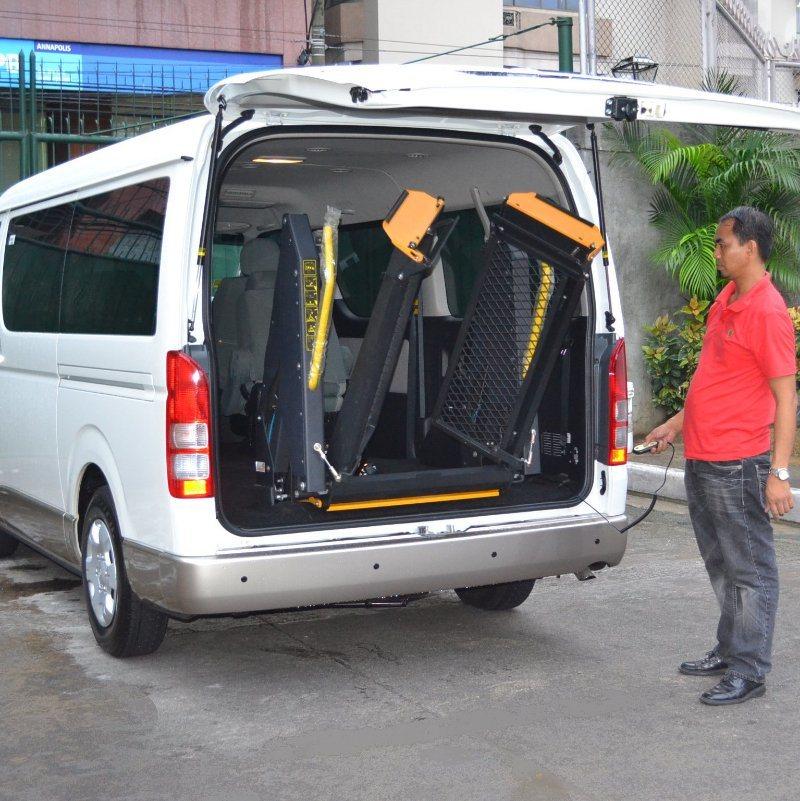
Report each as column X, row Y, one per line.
column 259, row 255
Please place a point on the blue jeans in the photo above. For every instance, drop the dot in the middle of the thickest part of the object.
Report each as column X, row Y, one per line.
column 734, row 534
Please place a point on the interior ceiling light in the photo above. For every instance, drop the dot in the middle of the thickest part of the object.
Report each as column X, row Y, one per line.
column 238, row 194
column 317, row 149
column 417, row 155
column 278, row 160
column 232, row 227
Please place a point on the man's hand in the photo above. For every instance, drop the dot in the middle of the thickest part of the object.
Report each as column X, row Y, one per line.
column 778, row 496
column 665, row 433
column 779, row 493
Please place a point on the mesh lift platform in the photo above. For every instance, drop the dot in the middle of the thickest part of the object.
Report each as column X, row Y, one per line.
column 535, row 269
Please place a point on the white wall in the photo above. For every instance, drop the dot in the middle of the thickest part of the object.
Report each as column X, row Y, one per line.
column 402, row 30
column 778, row 18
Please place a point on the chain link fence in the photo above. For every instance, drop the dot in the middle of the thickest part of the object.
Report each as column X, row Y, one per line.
column 668, row 32
column 738, row 58
column 671, row 34
column 785, row 82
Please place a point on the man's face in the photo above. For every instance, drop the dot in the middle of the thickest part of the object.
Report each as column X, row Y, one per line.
column 732, row 257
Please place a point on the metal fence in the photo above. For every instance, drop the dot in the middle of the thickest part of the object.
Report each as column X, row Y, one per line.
column 51, row 112
column 739, row 57
column 785, row 81
column 667, row 32
column 688, row 40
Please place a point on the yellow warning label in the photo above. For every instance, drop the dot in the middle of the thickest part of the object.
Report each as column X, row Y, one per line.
column 310, row 301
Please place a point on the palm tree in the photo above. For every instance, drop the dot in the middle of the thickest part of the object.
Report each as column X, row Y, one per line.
column 704, row 173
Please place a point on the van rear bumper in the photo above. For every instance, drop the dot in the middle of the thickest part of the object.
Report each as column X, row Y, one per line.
column 259, row 579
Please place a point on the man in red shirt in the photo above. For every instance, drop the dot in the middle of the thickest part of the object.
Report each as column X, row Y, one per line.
column 744, row 382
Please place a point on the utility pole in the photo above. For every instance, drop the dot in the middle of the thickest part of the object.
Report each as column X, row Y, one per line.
column 316, row 33
column 564, row 25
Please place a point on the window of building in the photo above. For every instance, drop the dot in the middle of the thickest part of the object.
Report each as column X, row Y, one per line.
column 32, row 269
column 112, row 264
column 549, row 5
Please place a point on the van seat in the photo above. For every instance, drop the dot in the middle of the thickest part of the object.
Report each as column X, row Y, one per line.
column 252, row 308
column 223, row 315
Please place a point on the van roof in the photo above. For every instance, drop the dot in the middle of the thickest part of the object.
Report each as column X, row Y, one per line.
column 161, row 146
column 553, row 99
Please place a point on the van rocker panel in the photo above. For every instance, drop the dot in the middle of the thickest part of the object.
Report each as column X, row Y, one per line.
column 262, row 579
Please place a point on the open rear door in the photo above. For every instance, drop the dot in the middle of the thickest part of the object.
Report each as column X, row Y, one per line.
column 554, row 100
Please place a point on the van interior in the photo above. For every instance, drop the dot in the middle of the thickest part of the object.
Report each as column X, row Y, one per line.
column 400, row 326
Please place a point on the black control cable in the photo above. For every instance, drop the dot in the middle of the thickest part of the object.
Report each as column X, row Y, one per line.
column 652, row 502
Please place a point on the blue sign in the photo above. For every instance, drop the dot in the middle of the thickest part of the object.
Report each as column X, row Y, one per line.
column 73, row 65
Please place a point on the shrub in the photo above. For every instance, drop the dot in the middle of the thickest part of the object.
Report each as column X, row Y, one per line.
column 672, row 349
column 671, row 352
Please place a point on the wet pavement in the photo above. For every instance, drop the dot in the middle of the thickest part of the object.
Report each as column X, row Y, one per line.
column 574, row 696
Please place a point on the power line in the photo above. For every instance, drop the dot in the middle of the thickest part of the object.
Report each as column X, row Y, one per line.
column 492, row 40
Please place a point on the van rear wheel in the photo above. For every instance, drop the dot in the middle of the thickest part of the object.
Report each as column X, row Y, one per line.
column 497, row 597
column 7, row 544
column 122, row 624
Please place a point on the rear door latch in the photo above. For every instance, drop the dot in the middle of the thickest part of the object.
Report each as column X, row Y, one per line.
column 622, row 108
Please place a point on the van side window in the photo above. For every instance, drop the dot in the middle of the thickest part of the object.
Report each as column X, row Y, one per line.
column 365, row 250
column 364, row 253
column 113, row 258
column 34, row 260
column 225, row 259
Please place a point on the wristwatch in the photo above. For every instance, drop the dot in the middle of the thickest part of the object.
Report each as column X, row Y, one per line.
column 781, row 473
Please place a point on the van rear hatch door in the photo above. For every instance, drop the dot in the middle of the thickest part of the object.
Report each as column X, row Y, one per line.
column 555, row 100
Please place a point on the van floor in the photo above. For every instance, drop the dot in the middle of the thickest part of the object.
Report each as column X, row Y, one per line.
column 244, row 505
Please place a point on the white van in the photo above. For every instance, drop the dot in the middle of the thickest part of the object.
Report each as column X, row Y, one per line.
column 354, row 335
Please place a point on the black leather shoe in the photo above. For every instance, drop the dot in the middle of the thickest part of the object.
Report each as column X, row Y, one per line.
column 709, row 665
column 733, row 690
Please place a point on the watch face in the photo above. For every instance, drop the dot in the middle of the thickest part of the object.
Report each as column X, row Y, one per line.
column 782, row 473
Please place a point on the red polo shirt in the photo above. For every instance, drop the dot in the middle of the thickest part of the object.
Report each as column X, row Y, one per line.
column 730, row 407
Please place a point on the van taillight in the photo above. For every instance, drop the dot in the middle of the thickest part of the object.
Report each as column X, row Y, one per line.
column 188, row 426
column 618, row 405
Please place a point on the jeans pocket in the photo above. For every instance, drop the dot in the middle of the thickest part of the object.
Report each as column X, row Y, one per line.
column 725, row 471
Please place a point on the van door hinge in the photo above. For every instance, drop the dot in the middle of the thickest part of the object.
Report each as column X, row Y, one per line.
column 621, row 108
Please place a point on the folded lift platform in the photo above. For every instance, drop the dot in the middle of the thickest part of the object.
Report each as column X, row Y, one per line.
column 535, row 266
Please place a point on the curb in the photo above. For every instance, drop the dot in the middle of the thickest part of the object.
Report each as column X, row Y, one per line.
column 645, row 478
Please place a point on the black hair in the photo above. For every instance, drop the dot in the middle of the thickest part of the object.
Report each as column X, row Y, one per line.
column 750, row 223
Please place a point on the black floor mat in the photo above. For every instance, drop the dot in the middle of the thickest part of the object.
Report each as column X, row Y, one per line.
column 245, row 506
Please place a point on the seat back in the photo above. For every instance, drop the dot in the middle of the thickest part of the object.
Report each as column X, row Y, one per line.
column 258, row 263
column 223, row 315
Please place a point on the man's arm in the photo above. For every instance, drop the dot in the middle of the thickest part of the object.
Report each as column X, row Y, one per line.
column 779, row 493
column 666, row 432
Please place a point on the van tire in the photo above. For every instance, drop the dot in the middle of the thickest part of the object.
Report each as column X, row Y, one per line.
column 497, row 597
column 8, row 544
column 134, row 629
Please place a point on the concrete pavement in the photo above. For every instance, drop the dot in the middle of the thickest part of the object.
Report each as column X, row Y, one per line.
column 574, row 696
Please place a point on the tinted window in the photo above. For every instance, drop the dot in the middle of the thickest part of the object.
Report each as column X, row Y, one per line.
column 225, row 259
column 32, row 268
column 365, row 250
column 112, row 264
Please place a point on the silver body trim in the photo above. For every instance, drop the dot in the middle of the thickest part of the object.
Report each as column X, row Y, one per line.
column 79, row 379
column 256, row 579
column 37, row 524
